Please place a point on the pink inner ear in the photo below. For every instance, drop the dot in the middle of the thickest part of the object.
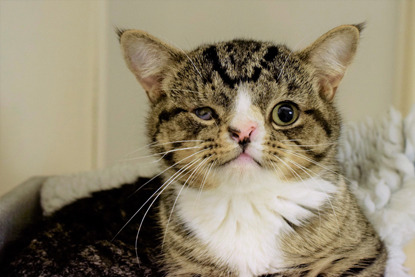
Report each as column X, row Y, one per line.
column 329, row 85
column 151, row 85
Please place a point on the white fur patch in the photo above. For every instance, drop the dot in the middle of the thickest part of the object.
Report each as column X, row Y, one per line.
column 243, row 103
column 241, row 220
column 246, row 115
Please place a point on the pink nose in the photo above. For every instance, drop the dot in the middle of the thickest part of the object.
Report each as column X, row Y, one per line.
column 243, row 134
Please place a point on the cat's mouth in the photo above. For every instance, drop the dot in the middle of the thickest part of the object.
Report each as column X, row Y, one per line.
column 243, row 159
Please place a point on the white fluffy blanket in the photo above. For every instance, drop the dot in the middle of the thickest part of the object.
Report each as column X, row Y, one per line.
column 378, row 159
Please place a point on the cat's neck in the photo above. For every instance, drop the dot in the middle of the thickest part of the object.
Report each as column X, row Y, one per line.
column 242, row 219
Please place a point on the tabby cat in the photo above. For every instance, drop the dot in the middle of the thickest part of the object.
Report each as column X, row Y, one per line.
column 249, row 132
column 247, row 135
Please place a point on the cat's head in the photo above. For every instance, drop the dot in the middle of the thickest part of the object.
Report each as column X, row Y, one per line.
column 242, row 106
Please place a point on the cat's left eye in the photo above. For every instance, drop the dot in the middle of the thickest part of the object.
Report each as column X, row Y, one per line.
column 204, row 113
column 285, row 113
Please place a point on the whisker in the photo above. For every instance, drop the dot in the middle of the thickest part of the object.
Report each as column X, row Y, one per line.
column 289, row 168
column 184, row 52
column 166, row 185
column 175, row 150
column 175, row 201
column 139, row 149
column 184, row 90
column 198, row 174
column 276, row 167
column 194, row 65
column 304, row 169
column 313, row 162
column 161, row 153
column 168, row 169
column 131, row 218
column 204, row 181
column 283, row 66
column 155, row 144
column 142, row 206
column 318, row 209
column 178, row 141
column 318, row 144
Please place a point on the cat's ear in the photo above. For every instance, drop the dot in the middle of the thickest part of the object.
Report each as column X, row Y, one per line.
column 147, row 57
column 331, row 54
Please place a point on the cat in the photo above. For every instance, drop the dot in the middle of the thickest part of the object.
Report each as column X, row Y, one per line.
column 247, row 134
column 260, row 192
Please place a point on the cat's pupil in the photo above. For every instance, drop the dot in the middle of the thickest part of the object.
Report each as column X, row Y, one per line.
column 285, row 113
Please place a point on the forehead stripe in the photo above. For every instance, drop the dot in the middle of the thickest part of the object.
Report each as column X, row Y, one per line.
column 211, row 54
column 272, row 53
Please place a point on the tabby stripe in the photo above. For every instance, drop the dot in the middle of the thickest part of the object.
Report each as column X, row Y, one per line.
column 166, row 116
column 169, row 158
column 255, row 75
column 269, row 58
column 292, row 225
column 293, row 132
column 211, row 55
column 319, row 118
column 177, row 145
column 304, row 273
column 337, row 260
column 359, row 267
column 188, row 255
column 317, row 157
column 311, row 210
column 272, row 53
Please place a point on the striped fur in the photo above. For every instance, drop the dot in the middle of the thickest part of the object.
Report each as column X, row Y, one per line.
column 272, row 202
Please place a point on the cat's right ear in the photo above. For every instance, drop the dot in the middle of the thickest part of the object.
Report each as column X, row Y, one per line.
column 147, row 57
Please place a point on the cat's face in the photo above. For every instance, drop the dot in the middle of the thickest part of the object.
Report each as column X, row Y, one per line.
column 242, row 107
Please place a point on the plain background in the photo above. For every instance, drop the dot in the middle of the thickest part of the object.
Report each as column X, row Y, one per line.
column 68, row 102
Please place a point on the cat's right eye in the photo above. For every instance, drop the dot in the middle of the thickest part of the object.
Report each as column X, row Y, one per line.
column 204, row 113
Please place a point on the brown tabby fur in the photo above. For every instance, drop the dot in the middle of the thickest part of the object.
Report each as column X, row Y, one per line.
column 338, row 240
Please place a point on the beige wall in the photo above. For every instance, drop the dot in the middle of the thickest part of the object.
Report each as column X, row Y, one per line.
column 68, row 103
column 406, row 56
column 47, row 83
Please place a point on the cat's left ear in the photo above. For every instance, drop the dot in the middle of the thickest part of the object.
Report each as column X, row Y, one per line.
column 148, row 58
column 331, row 54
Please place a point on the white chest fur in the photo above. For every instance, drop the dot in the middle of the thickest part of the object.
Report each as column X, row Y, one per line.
column 241, row 221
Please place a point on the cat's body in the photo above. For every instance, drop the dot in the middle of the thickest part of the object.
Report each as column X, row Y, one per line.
column 247, row 134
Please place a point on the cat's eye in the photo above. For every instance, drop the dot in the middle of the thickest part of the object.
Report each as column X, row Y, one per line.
column 204, row 113
column 285, row 113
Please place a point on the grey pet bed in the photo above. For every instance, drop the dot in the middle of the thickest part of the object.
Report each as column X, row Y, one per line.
column 19, row 208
